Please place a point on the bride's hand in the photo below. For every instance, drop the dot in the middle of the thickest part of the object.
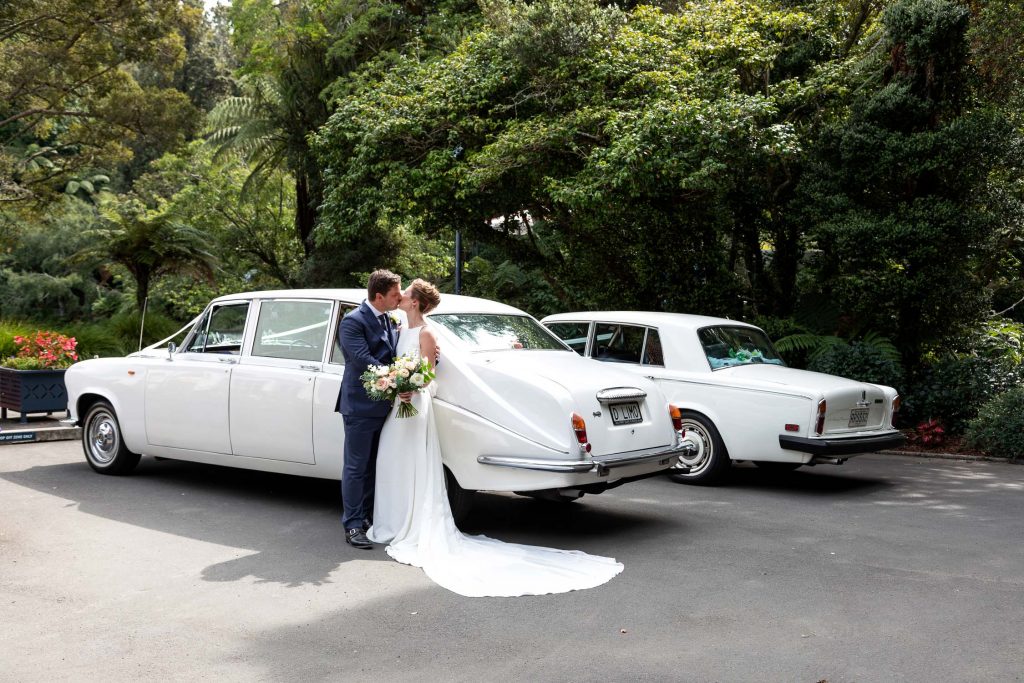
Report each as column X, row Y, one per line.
column 406, row 396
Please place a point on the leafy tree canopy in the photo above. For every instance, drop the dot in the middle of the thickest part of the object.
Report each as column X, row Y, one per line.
column 596, row 143
column 81, row 88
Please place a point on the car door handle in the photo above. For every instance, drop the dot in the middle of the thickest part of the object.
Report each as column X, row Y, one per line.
column 227, row 360
column 313, row 368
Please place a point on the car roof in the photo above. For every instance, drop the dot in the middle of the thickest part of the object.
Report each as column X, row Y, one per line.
column 450, row 303
column 650, row 318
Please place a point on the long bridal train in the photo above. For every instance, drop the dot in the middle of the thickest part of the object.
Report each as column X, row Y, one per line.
column 412, row 514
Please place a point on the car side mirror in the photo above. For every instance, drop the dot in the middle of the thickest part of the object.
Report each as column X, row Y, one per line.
column 171, row 348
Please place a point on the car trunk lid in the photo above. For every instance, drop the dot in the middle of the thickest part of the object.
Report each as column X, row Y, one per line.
column 851, row 406
column 622, row 412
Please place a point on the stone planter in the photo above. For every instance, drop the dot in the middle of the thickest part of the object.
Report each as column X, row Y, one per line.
column 32, row 391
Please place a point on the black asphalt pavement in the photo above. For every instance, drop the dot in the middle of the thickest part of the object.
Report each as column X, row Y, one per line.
column 887, row 568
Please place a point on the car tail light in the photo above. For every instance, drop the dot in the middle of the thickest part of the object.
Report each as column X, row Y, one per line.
column 579, row 427
column 896, row 403
column 677, row 417
column 819, row 424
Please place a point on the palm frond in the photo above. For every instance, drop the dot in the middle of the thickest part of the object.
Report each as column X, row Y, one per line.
column 807, row 342
column 882, row 344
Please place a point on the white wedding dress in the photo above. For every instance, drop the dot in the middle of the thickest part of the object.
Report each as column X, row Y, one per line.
column 411, row 514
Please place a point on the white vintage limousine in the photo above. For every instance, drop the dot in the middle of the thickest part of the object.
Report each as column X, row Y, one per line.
column 742, row 402
column 255, row 380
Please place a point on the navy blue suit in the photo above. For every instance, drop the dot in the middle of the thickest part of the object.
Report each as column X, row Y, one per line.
column 364, row 341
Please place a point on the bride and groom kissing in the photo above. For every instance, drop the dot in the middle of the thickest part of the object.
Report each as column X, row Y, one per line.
column 392, row 485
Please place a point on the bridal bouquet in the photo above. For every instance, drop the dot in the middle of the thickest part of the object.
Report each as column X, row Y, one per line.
column 386, row 382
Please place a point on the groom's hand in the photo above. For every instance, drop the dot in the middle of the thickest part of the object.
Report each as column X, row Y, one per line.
column 437, row 354
column 406, row 396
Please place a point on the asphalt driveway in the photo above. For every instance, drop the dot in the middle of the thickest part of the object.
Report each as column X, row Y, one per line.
column 887, row 568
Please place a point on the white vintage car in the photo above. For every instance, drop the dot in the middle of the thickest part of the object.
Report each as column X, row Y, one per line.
column 255, row 380
column 740, row 400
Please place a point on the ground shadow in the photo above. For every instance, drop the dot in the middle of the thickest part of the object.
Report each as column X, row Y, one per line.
column 292, row 524
column 821, row 480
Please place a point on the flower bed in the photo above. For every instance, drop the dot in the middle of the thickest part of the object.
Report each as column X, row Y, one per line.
column 33, row 380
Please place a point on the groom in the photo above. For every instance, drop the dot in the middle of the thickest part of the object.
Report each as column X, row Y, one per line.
column 367, row 336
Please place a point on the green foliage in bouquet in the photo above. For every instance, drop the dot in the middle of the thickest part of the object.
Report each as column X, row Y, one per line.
column 386, row 382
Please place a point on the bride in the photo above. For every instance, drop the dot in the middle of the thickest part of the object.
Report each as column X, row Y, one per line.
column 411, row 511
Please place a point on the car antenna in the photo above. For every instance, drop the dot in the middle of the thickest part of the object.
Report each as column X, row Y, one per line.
column 142, row 324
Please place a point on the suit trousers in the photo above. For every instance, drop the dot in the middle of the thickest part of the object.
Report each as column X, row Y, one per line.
column 358, row 474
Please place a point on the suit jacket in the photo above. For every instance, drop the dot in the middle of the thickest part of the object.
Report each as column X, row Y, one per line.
column 363, row 343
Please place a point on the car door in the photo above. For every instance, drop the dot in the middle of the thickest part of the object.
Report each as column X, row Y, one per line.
column 186, row 398
column 328, row 426
column 272, row 388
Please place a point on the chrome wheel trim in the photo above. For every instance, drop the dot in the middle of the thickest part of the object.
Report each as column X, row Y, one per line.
column 693, row 465
column 103, row 439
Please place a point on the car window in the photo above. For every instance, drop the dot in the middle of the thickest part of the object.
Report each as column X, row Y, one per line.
column 618, row 343
column 294, row 330
column 573, row 334
column 494, row 332
column 221, row 330
column 727, row 347
column 336, row 355
column 652, row 349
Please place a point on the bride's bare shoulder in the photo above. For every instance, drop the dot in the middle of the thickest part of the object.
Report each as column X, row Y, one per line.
column 427, row 333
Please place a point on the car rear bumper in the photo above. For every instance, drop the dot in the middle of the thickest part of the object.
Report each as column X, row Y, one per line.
column 841, row 446
column 600, row 465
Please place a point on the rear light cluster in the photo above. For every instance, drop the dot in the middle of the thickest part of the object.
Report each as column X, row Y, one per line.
column 579, row 428
column 896, row 403
column 677, row 417
column 819, row 423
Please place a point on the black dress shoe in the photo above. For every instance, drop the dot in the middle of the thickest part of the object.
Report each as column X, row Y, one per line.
column 357, row 539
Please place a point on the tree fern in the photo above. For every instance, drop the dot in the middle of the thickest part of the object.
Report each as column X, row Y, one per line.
column 816, row 344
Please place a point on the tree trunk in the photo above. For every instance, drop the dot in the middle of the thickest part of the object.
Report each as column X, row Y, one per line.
column 142, row 278
column 309, row 195
column 305, row 213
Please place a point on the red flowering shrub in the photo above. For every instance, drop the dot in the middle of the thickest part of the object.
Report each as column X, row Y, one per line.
column 930, row 433
column 49, row 350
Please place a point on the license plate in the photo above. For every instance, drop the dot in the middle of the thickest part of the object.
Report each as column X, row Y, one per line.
column 625, row 413
column 858, row 417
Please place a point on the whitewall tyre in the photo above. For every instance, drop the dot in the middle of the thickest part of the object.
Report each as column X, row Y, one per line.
column 102, row 441
column 710, row 463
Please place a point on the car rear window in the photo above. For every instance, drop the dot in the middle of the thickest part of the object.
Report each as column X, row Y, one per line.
column 495, row 332
column 727, row 347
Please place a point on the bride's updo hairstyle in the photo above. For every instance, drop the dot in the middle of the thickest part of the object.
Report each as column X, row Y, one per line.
column 426, row 295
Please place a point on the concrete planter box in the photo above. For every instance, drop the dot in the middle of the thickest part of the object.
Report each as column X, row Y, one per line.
column 32, row 391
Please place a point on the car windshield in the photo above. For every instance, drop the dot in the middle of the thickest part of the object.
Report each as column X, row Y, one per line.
column 728, row 347
column 492, row 332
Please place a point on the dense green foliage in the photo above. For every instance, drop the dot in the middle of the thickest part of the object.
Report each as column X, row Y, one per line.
column 999, row 427
column 900, row 194
column 953, row 389
column 862, row 362
column 586, row 143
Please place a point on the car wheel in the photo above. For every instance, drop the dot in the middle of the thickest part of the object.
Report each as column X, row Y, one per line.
column 778, row 466
column 459, row 499
column 101, row 439
column 709, row 464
